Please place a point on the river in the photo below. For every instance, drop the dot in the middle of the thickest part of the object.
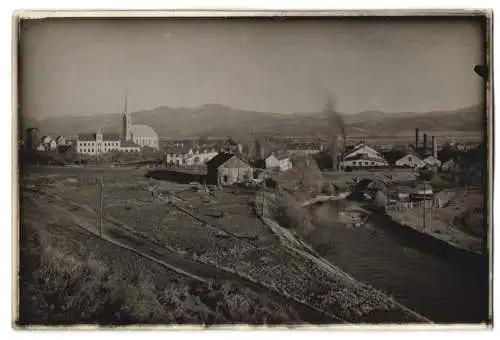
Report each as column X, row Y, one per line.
column 443, row 289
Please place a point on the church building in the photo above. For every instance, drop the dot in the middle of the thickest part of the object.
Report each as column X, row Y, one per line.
column 142, row 135
column 132, row 139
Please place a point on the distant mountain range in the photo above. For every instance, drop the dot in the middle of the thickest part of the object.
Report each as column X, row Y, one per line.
column 215, row 120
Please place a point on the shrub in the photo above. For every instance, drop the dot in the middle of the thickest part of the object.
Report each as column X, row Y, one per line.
column 289, row 213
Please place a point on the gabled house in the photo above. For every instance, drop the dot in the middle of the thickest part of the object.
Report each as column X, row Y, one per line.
column 280, row 162
column 432, row 161
column 60, row 140
column 52, row 145
column 46, row 139
column 363, row 156
column 228, row 168
column 187, row 156
column 410, row 160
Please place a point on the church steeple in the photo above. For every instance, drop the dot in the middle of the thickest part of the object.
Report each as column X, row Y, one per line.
column 126, row 121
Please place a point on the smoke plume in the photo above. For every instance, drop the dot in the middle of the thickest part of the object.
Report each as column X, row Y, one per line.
column 335, row 120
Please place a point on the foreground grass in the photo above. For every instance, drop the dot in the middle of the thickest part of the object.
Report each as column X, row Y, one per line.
column 62, row 282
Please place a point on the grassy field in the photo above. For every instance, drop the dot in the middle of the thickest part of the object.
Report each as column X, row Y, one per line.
column 70, row 276
column 237, row 249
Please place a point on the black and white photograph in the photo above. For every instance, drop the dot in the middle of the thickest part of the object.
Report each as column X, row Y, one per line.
column 259, row 169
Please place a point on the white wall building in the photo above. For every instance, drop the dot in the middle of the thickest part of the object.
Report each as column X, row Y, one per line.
column 100, row 143
column 50, row 143
column 281, row 162
column 363, row 156
column 187, row 156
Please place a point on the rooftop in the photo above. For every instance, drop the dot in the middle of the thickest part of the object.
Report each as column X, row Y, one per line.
column 128, row 144
column 143, row 131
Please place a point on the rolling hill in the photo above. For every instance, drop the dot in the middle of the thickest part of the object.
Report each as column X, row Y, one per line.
column 221, row 121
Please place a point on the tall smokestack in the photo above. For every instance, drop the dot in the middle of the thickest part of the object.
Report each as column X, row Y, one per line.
column 425, row 141
column 434, row 147
column 417, row 131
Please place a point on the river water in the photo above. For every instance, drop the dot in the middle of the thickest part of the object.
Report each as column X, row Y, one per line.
column 441, row 288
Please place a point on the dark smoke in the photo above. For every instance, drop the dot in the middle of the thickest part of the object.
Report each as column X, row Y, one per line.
column 336, row 122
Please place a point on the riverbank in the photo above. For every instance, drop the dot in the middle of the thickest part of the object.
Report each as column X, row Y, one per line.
column 357, row 302
column 438, row 281
column 438, row 227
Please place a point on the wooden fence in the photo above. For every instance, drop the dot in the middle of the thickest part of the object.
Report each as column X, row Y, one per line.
column 404, row 206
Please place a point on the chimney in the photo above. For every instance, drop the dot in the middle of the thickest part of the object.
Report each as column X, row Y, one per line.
column 434, row 147
column 416, row 138
column 425, row 141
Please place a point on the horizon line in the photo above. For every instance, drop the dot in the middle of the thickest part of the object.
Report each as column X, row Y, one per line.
column 249, row 110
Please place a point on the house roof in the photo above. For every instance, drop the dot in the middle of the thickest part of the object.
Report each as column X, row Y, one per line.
column 364, row 156
column 86, row 136
column 128, row 144
column 282, row 157
column 219, row 159
column 108, row 136
column 412, row 154
column 223, row 157
column 143, row 131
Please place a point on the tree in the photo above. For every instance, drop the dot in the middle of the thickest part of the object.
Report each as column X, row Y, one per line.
column 380, row 200
column 393, row 155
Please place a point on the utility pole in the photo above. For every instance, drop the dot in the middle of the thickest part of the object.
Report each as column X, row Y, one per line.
column 425, row 200
column 101, row 205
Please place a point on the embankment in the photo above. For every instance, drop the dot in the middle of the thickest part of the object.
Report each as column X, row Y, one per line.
column 368, row 304
column 426, row 242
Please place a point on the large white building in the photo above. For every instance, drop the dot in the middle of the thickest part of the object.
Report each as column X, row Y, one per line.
column 133, row 138
column 363, row 156
column 99, row 143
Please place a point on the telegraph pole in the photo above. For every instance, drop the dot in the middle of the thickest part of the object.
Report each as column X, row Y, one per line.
column 425, row 193
column 101, row 206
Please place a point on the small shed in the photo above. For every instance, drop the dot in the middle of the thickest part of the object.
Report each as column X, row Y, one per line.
column 227, row 169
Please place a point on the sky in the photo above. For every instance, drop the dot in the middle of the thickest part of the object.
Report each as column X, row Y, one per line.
column 83, row 67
